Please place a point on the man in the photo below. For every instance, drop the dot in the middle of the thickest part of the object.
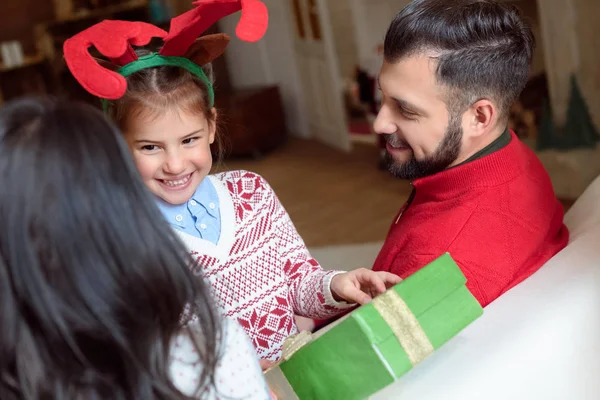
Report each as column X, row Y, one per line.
column 452, row 69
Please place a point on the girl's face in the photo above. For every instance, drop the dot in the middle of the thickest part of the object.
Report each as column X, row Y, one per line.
column 171, row 152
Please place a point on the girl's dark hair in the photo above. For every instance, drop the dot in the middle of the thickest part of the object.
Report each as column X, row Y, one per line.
column 93, row 283
column 484, row 46
column 156, row 90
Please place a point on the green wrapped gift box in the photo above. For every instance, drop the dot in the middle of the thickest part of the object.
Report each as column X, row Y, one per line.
column 371, row 347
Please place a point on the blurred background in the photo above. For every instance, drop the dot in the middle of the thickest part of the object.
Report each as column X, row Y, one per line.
column 297, row 107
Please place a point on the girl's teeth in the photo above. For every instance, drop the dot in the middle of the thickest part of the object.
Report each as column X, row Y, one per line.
column 176, row 183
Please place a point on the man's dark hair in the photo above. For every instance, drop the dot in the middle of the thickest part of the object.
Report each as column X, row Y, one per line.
column 483, row 48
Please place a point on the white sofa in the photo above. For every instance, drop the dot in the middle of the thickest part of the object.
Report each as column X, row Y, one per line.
column 541, row 340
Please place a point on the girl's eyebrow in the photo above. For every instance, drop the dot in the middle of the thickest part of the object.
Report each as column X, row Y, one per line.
column 192, row 133
column 183, row 138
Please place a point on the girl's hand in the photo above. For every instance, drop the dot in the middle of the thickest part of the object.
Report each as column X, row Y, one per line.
column 361, row 285
column 265, row 364
column 305, row 324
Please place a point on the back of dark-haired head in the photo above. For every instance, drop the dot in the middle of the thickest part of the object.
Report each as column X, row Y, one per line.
column 93, row 283
column 483, row 48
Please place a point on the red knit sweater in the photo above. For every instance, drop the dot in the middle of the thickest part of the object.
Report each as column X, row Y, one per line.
column 497, row 216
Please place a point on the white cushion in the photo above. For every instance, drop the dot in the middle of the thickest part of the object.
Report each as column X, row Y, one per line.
column 540, row 340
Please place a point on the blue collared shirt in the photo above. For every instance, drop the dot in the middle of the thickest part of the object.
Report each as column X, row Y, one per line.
column 200, row 216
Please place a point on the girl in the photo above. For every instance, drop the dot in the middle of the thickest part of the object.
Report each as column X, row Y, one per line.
column 241, row 237
column 92, row 284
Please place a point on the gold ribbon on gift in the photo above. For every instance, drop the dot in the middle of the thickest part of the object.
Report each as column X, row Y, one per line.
column 294, row 343
column 404, row 325
column 395, row 313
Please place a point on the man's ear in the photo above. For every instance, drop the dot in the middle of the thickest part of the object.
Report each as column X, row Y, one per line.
column 483, row 116
column 206, row 48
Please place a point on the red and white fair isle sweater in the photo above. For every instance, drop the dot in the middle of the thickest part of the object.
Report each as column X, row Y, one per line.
column 260, row 270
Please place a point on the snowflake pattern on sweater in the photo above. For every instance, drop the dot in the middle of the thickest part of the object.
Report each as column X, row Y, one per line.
column 260, row 270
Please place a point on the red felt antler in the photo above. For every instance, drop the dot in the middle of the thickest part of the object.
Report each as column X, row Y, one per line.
column 113, row 39
column 186, row 28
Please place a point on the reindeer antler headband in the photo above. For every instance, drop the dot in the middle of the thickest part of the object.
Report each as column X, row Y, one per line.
column 182, row 48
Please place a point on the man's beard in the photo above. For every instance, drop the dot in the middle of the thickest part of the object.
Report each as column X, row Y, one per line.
column 446, row 153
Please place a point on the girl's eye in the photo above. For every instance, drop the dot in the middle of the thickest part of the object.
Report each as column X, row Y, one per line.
column 150, row 147
column 189, row 140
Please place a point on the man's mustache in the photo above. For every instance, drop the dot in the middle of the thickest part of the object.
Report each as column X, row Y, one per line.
column 395, row 141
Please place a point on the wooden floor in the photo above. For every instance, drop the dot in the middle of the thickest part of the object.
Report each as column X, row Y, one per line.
column 332, row 197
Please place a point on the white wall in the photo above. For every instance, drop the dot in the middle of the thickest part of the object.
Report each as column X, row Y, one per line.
column 344, row 38
column 270, row 61
column 245, row 61
column 372, row 19
column 273, row 59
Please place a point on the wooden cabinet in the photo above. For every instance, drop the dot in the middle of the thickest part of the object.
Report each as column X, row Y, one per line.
column 251, row 121
column 51, row 36
column 33, row 77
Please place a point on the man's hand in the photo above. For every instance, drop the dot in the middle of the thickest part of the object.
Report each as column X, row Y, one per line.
column 361, row 285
